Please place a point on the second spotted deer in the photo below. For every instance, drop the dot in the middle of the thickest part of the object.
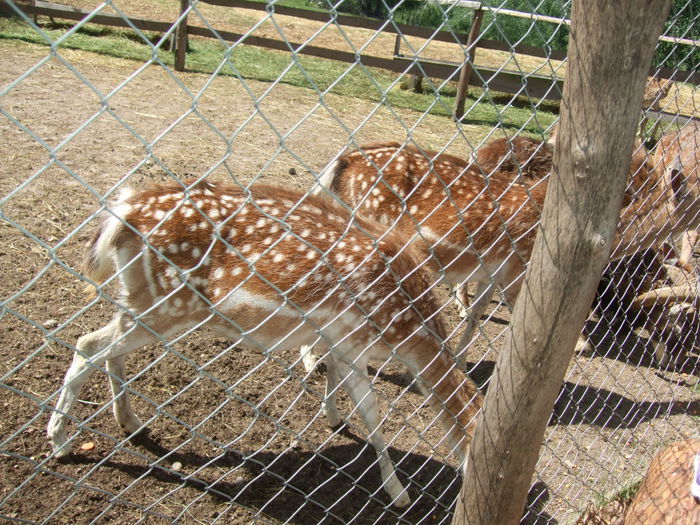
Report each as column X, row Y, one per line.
column 679, row 150
column 476, row 228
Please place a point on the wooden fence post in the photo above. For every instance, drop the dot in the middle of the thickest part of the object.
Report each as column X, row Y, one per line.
column 610, row 49
column 181, row 40
column 415, row 80
column 468, row 66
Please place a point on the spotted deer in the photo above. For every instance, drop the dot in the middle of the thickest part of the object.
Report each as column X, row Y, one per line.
column 679, row 150
column 463, row 222
column 270, row 269
column 524, row 157
column 474, row 228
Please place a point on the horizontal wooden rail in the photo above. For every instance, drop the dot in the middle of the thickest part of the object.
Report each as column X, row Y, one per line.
column 537, row 86
column 302, row 49
column 345, row 20
column 390, row 27
column 73, row 13
column 513, row 82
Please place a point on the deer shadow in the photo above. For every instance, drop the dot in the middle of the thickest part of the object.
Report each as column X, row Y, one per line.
column 621, row 343
column 603, row 408
column 336, row 484
column 580, row 403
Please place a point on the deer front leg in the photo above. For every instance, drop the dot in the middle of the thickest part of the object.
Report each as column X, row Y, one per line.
column 482, row 298
column 308, row 358
column 109, row 342
column 459, row 292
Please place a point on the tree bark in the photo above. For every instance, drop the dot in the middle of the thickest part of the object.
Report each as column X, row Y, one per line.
column 610, row 49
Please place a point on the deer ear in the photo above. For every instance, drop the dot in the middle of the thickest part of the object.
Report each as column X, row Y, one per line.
column 677, row 180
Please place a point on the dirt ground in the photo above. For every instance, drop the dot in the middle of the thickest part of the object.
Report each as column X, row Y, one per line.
column 233, row 436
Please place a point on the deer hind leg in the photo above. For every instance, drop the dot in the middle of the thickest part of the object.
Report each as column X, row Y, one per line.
column 123, row 413
column 110, row 342
column 329, row 403
column 482, row 298
column 330, row 406
column 512, row 273
column 357, row 385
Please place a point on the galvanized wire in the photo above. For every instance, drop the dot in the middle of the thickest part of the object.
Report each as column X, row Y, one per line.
column 240, row 437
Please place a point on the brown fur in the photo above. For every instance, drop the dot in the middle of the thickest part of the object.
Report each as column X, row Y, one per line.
column 282, row 267
column 523, row 157
column 476, row 228
column 680, row 149
column 678, row 153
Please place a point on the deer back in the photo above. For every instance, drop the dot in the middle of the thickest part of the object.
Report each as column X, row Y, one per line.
column 677, row 157
column 523, row 157
column 670, row 201
column 459, row 213
column 680, row 150
column 185, row 251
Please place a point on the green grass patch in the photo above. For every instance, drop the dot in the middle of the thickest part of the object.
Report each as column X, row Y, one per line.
column 249, row 62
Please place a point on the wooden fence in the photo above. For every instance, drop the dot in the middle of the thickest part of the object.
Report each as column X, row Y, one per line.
column 464, row 71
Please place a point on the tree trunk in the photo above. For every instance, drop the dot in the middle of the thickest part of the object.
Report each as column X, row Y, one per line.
column 610, row 49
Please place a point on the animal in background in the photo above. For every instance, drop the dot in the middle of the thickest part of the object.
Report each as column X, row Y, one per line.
column 477, row 227
column 679, row 150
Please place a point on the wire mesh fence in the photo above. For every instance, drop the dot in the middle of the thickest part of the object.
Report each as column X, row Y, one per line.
column 291, row 233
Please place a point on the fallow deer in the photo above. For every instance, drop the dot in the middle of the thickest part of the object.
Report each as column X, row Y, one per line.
column 642, row 177
column 476, row 228
column 680, row 150
column 270, row 269
column 524, row 157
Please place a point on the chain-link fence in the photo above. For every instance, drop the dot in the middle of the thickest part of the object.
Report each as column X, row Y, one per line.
column 316, row 209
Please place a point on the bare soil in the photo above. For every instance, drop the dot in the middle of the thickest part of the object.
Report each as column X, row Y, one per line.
column 245, row 429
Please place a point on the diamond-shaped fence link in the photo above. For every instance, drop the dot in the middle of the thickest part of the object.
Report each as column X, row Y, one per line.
column 302, row 244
